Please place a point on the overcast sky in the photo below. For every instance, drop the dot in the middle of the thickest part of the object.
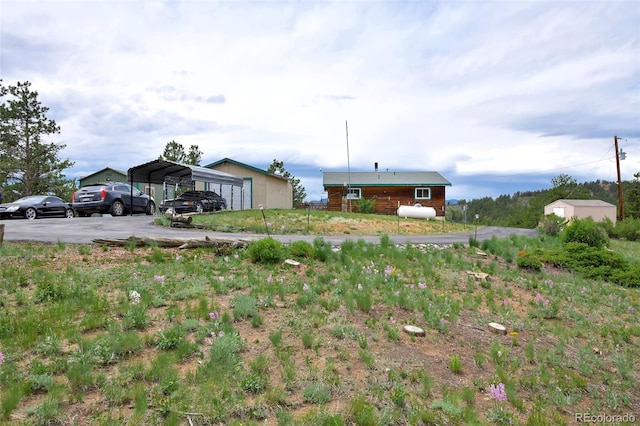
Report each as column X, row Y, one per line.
column 498, row 97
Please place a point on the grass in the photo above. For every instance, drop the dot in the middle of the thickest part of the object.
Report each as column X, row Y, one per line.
column 283, row 222
column 144, row 335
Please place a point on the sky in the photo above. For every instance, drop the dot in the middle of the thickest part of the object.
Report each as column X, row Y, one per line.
column 496, row 96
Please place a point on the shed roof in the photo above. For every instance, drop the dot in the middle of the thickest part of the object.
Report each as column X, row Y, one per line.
column 158, row 170
column 103, row 170
column 384, row 179
column 583, row 203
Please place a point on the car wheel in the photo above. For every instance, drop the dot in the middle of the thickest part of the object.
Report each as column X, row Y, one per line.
column 117, row 208
column 151, row 208
column 199, row 208
column 69, row 214
column 30, row 213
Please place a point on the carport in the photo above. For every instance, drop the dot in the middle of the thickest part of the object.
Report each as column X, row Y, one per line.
column 171, row 173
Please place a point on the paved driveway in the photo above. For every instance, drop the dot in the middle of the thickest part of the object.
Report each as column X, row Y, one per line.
column 83, row 230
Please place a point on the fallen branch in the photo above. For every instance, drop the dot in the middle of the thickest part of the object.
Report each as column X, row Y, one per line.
column 181, row 243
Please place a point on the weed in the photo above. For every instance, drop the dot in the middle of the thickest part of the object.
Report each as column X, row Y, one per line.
column 455, row 365
column 244, row 306
column 316, row 393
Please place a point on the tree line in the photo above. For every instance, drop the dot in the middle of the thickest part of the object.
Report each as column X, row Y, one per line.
column 526, row 209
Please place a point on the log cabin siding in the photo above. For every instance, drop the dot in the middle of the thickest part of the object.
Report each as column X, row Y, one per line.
column 389, row 189
column 388, row 198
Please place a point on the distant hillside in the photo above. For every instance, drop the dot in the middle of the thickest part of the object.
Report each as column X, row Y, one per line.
column 525, row 209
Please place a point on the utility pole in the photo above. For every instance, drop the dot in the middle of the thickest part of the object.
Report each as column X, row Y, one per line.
column 620, row 206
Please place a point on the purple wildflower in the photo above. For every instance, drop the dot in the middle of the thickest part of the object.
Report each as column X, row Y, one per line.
column 159, row 278
column 497, row 392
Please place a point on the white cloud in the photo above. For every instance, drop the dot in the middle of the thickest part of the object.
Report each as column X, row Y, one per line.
column 465, row 88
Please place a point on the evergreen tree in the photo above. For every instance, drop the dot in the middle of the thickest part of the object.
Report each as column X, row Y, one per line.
column 174, row 151
column 632, row 198
column 299, row 192
column 28, row 164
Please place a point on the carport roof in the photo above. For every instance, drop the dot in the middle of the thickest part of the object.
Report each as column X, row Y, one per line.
column 157, row 171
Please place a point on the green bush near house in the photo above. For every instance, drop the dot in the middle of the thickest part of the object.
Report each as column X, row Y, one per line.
column 266, row 250
column 365, row 206
column 585, row 231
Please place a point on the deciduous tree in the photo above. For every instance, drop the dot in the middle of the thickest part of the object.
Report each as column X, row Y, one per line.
column 28, row 164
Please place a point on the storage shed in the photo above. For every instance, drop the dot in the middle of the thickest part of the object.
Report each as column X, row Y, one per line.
column 581, row 209
column 260, row 187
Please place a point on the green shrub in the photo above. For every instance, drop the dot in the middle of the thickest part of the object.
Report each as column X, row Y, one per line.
column 316, row 393
column 529, row 260
column 628, row 229
column 244, row 306
column 553, row 224
column 365, row 206
column 267, row 250
column 609, row 227
column 629, row 277
column 585, row 231
column 323, row 249
column 302, row 249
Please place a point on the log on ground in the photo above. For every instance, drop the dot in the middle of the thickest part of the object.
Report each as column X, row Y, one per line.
column 181, row 243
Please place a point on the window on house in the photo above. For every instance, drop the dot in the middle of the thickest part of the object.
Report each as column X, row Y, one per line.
column 354, row 193
column 423, row 193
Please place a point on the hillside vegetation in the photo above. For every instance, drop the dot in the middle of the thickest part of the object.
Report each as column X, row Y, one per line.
column 152, row 336
column 525, row 209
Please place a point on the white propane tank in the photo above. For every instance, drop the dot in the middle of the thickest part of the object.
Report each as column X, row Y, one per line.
column 416, row 212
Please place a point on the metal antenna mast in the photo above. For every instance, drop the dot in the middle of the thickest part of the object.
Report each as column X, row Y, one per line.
column 346, row 124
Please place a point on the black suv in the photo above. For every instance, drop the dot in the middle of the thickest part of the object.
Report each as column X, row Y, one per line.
column 111, row 197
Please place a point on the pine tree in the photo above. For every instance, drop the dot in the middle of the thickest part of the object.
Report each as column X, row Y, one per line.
column 174, row 151
column 28, row 164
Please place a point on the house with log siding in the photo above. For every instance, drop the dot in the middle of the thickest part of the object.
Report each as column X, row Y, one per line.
column 389, row 189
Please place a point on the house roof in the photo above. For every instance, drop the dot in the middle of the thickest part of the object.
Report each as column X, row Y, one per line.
column 583, row 203
column 158, row 170
column 246, row 166
column 384, row 179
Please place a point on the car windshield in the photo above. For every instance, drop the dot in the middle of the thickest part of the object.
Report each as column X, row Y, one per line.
column 30, row 199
